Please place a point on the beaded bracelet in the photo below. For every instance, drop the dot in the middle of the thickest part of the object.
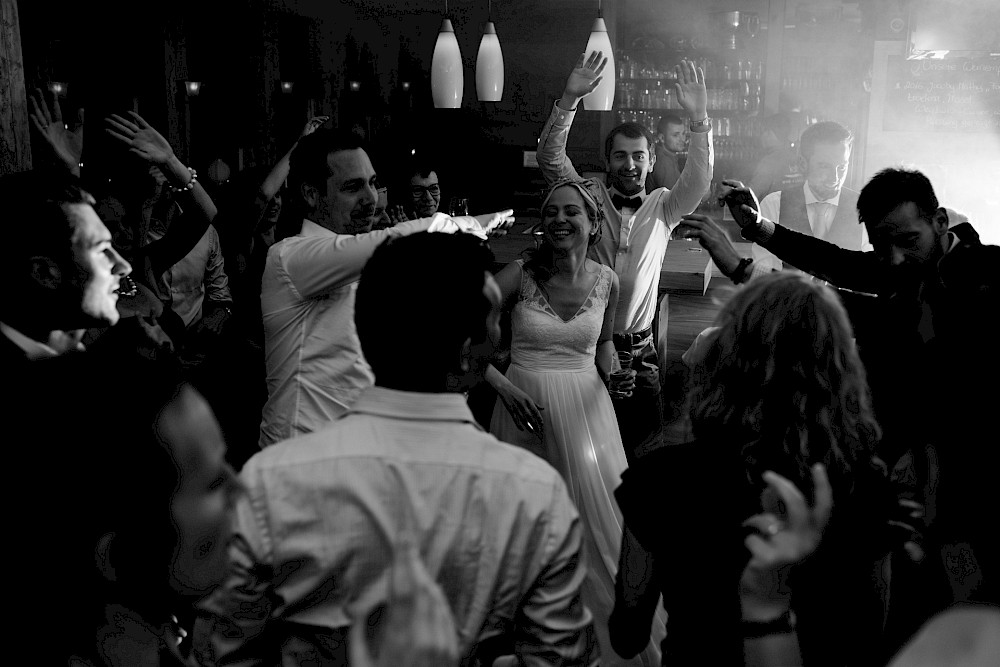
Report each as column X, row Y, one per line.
column 187, row 186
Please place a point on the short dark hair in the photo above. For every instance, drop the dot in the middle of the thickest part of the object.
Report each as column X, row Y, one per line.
column 668, row 119
column 630, row 131
column 309, row 163
column 824, row 132
column 420, row 166
column 419, row 299
column 892, row 187
column 36, row 220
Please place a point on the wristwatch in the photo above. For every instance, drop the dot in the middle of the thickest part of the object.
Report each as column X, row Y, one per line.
column 700, row 124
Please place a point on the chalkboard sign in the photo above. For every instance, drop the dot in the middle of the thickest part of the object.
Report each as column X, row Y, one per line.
column 949, row 95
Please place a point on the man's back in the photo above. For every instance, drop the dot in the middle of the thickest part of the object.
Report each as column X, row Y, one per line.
column 494, row 525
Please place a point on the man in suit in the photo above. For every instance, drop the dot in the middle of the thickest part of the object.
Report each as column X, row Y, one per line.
column 60, row 272
column 822, row 206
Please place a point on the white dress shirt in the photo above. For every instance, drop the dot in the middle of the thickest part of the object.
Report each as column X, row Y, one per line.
column 315, row 368
column 820, row 214
column 633, row 243
column 324, row 512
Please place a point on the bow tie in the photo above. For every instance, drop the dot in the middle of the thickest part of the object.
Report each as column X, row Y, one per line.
column 621, row 202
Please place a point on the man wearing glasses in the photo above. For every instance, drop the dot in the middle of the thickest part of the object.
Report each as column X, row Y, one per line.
column 424, row 190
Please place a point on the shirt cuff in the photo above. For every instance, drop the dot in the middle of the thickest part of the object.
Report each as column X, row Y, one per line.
column 760, row 233
column 560, row 116
column 449, row 225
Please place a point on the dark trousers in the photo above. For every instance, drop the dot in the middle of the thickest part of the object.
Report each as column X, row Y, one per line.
column 640, row 417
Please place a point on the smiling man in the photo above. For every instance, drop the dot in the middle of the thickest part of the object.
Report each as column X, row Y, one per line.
column 60, row 272
column 822, row 206
column 635, row 232
column 315, row 368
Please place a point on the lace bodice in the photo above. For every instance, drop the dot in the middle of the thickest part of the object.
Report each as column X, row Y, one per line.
column 541, row 340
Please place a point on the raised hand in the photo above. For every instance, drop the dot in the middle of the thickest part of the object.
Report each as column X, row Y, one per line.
column 690, row 89
column 397, row 214
column 787, row 542
column 49, row 123
column 416, row 628
column 712, row 238
column 141, row 138
column 742, row 202
column 313, row 124
column 586, row 76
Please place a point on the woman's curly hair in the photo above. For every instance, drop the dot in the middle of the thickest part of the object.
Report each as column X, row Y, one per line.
column 781, row 378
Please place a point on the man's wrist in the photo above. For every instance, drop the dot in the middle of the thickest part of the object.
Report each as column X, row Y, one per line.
column 568, row 102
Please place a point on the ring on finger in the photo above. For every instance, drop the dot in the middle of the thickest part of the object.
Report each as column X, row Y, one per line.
column 774, row 528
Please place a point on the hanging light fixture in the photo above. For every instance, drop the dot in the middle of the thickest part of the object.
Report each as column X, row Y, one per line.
column 447, row 77
column 489, row 64
column 603, row 97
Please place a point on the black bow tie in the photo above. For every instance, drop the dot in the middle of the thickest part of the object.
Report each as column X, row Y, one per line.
column 621, row 202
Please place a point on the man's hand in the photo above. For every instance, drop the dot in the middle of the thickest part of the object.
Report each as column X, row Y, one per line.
column 397, row 214
column 140, row 137
column 213, row 323
column 416, row 628
column 493, row 224
column 742, row 202
column 313, row 124
column 63, row 144
column 713, row 239
column 690, row 90
column 584, row 78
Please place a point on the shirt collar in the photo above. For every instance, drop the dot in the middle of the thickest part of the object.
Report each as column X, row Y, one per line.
column 310, row 228
column 811, row 198
column 32, row 348
column 413, row 406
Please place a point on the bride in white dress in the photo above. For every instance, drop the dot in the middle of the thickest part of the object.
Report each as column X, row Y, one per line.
column 553, row 399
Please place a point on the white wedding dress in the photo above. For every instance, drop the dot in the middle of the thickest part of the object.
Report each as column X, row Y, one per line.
column 553, row 361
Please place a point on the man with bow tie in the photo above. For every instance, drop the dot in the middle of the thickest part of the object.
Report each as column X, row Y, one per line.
column 822, row 206
column 635, row 232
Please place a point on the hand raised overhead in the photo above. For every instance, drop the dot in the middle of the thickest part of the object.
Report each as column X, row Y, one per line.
column 690, row 89
column 141, row 138
column 586, row 76
column 49, row 122
column 313, row 124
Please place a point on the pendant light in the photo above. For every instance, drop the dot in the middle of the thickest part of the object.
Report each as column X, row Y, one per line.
column 603, row 97
column 447, row 76
column 489, row 64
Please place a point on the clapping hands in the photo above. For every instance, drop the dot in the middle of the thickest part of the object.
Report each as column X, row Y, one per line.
column 141, row 138
column 742, row 202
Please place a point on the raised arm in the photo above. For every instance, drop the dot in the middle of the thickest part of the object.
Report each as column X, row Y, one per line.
column 62, row 144
column 318, row 265
column 143, row 140
column 279, row 173
column 696, row 178
column 552, row 158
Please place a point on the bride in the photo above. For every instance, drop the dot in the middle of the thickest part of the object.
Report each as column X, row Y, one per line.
column 554, row 395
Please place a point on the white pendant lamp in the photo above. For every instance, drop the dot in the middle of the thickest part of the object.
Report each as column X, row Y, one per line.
column 447, row 76
column 603, row 97
column 489, row 64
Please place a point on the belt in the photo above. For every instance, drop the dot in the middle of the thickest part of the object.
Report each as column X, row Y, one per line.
column 635, row 338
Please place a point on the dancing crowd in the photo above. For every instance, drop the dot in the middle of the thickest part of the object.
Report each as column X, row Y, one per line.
column 250, row 411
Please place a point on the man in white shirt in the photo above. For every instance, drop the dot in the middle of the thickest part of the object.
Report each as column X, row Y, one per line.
column 314, row 364
column 637, row 226
column 60, row 271
column 822, row 206
column 325, row 513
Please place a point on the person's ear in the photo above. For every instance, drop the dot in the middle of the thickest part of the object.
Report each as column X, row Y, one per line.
column 102, row 556
column 46, row 272
column 652, row 156
column 465, row 356
column 310, row 194
column 939, row 221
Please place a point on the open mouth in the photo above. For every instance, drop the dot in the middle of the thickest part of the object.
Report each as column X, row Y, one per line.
column 560, row 234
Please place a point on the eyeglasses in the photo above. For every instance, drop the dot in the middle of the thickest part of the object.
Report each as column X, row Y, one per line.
column 419, row 190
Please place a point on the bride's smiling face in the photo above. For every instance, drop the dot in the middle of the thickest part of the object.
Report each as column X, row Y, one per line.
column 565, row 221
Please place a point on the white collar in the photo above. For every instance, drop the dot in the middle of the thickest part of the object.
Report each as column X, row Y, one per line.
column 811, row 198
